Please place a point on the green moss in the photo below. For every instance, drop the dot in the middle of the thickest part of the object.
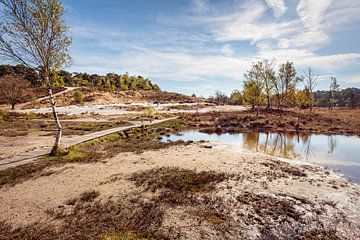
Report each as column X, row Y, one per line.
column 73, row 156
column 210, row 216
column 113, row 137
column 129, row 235
column 215, row 220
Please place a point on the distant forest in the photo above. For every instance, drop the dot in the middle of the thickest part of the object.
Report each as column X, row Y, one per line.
column 349, row 97
column 109, row 82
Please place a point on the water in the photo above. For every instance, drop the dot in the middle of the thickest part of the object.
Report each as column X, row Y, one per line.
column 337, row 152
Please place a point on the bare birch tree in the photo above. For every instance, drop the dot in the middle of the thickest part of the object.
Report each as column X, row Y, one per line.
column 33, row 33
column 310, row 81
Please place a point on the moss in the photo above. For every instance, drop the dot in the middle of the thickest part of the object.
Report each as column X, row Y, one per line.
column 113, row 137
column 215, row 220
column 73, row 156
column 210, row 216
column 128, row 235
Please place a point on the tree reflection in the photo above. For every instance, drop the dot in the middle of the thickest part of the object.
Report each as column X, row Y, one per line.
column 275, row 144
column 290, row 146
column 332, row 144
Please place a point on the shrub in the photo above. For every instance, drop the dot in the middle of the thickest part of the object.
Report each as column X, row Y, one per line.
column 149, row 112
column 78, row 97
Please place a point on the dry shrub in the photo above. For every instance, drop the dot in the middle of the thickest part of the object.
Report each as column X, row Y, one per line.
column 177, row 180
column 94, row 221
column 268, row 209
column 282, row 169
column 89, row 196
column 177, row 186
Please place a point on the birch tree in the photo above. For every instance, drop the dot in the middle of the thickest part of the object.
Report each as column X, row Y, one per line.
column 33, row 33
column 334, row 91
column 310, row 82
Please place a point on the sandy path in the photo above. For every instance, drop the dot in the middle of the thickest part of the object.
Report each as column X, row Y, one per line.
column 27, row 202
column 111, row 109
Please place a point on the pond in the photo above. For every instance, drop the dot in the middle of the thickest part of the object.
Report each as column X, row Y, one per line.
column 337, row 152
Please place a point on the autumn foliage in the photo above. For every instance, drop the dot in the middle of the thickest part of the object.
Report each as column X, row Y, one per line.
column 14, row 90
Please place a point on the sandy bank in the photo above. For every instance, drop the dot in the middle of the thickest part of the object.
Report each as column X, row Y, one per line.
column 32, row 200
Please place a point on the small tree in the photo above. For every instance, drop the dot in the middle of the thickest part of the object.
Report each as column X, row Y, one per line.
column 252, row 94
column 334, row 91
column 220, row 97
column 268, row 76
column 254, row 86
column 285, row 85
column 236, row 98
column 14, row 90
column 304, row 99
column 149, row 112
column 310, row 82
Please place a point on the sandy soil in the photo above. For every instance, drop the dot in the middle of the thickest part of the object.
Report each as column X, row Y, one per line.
column 113, row 109
column 15, row 146
column 28, row 202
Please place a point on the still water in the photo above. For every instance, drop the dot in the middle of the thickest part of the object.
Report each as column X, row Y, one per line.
column 337, row 152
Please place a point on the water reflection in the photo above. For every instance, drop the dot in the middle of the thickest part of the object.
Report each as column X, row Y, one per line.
column 273, row 144
column 334, row 151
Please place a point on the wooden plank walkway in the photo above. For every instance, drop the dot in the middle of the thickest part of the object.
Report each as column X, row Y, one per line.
column 32, row 155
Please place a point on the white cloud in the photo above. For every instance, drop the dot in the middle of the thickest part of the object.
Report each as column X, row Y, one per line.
column 283, row 43
column 312, row 12
column 227, row 50
column 304, row 58
column 200, row 6
column 250, row 26
column 278, row 7
column 352, row 78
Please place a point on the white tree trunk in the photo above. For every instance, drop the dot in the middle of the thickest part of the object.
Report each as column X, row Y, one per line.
column 57, row 122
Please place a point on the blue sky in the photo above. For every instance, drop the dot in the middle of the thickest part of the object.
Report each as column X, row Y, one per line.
column 200, row 46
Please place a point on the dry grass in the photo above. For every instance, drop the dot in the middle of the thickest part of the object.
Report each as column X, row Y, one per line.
column 177, row 180
column 319, row 121
column 177, row 186
column 280, row 169
column 110, row 220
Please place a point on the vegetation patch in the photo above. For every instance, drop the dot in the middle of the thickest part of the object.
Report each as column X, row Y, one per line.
column 177, row 186
column 339, row 121
column 267, row 208
column 14, row 175
column 280, row 169
column 110, row 220
column 210, row 216
column 177, row 180
column 320, row 234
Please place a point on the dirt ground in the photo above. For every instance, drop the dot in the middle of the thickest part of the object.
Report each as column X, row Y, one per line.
column 261, row 196
column 14, row 146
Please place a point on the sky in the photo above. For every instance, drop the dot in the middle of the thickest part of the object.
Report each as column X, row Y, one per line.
column 200, row 46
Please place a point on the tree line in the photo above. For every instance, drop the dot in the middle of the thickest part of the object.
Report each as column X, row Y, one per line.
column 263, row 86
column 109, row 82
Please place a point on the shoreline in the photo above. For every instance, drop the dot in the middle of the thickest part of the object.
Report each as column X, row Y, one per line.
column 254, row 173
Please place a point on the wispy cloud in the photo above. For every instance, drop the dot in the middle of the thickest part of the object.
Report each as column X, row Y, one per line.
column 278, row 7
column 201, row 6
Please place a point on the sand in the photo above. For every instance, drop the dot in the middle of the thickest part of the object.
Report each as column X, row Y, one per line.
column 29, row 201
